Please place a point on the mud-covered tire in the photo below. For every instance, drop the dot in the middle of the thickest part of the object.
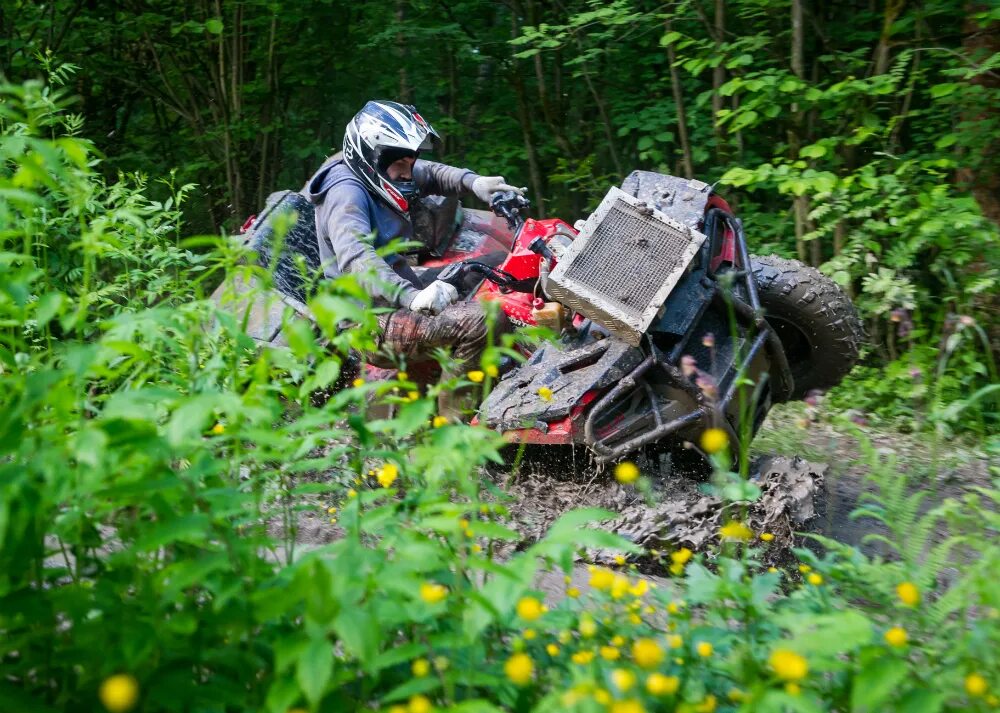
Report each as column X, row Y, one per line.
column 816, row 322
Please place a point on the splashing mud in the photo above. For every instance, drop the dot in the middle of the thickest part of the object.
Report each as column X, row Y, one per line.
column 681, row 511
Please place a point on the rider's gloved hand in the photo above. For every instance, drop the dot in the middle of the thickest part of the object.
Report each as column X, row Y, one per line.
column 433, row 299
column 485, row 186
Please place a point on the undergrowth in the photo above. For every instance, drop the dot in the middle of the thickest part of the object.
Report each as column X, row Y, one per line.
column 148, row 447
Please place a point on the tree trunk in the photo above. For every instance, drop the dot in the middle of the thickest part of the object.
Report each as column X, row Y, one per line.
column 800, row 204
column 524, row 118
column 980, row 43
column 682, row 130
column 718, row 79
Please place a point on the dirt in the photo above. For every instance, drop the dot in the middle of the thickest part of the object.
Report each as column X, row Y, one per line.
column 811, row 476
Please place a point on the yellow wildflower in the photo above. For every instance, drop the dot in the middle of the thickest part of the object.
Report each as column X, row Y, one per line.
column 629, row 706
column 735, row 695
column 772, row 570
column 619, row 560
column 975, row 685
column 440, row 421
column 387, row 474
column 815, row 579
column 529, row 634
column 552, row 650
column 635, row 619
column 638, row 589
column 583, row 657
column 707, row 705
column 529, row 608
column 681, row 556
column 677, row 569
column 545, row 393
column 492, row 371
column 804, row 568
column 432, row 592
column 766, row 536
column 675, row 641
column 609, row 653
column 420, row 704
column 619, row 586
column 421, row 667
column 331, row 510
column 519, row 669
column 704, row 649
column 647, row 653
column 908, row 594
column 626, row 472
column 402, row 375
column 588, row 627
column 602, row 696
column 333, row 521
column 565, row 636
column 660, row 685
column 735, row 530
column 788, row 665
column 714, row 440
column 602, row 579
column 896, row 636
column 218, row 429
column 441, row 663
column 792, row 688
column 476, row 376
column 392, row 709
column 358, row 382
column 352, row 493
column 119, row 693
column 572, row 592
column 623, row 679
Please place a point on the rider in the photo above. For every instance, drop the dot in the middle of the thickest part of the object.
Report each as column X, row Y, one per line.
column 366, row 193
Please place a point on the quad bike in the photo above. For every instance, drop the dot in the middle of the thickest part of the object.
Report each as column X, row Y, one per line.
column 667, row 324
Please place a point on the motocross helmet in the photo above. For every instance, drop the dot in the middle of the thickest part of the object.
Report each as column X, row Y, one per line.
column 381, row 133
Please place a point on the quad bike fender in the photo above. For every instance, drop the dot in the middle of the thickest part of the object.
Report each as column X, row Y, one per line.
column 569, row 379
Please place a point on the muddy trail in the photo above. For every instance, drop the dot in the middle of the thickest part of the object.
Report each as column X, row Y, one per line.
column 811, row 477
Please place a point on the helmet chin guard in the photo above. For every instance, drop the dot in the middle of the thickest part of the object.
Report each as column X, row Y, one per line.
column 379, row 134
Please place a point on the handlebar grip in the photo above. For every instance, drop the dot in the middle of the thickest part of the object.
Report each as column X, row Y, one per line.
column 453, row 274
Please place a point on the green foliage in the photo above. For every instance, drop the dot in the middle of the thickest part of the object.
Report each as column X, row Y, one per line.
column 157, row 470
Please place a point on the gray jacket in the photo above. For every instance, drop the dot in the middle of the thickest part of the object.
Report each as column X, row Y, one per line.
column 347, row 214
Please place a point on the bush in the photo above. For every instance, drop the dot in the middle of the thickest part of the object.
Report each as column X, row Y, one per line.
column 156, row 469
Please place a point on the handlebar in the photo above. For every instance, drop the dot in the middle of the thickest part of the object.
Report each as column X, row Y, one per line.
column 511, row 206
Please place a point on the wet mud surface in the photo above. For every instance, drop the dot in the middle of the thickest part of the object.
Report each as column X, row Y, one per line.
column 811, row 479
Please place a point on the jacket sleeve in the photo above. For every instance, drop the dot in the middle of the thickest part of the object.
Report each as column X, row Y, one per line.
column 438, row 179
column 347, row 228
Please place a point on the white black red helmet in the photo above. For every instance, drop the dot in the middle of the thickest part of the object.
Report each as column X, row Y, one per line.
column 378, row 135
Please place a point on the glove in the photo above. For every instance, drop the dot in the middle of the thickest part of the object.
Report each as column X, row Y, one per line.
column 433, row 299
column 485, row 186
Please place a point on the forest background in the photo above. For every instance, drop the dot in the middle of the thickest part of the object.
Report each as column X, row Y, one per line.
column 189, row 521
column 857, row 136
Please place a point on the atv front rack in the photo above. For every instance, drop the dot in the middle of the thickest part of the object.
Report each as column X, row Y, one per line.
column 709, row 412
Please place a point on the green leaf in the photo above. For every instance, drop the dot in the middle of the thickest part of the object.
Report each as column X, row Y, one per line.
column 314, row 669
column 876, row 682
column 943, row 90
column 827, row 634
column 359, row 631
column 214, row 26
column 921, row 700
column 813, row 151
